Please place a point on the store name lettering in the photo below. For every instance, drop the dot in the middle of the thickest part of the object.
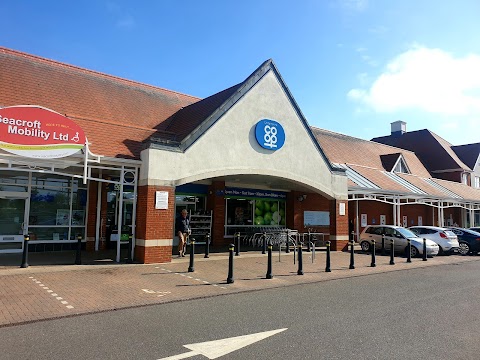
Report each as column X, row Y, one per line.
column 250, row 193
column 33, row 128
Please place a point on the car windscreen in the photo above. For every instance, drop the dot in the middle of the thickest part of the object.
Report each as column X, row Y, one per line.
column 406, row 233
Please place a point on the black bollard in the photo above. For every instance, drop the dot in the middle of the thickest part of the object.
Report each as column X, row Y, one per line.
column 383, row 245
column 352, row 260
column 207, row 246
column 26, row 239
column 269, row 266
column 192, row 255
column 129, row 252
column 373, row 264
column 409, row 251
column 264, row 247
column 424, row 249
column 327, row 267
column 392, row 253
column 78, row 257
column 237, row 250
column 287, row 250
column 230, row 264
column 309, row 240
column 300, row 260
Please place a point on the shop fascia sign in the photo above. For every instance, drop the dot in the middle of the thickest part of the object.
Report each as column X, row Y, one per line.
column 254, row 193
column 269, row 134
column 37, row 132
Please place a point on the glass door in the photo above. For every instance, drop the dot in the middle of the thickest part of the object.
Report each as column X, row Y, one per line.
column 12, row 221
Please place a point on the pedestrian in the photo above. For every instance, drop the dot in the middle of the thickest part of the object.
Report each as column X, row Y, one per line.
column 182, row 228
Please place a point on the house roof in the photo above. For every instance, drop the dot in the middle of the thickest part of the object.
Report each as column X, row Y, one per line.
column 469, row 153
column 372, row 161
column 435, row 152
column 108, row 108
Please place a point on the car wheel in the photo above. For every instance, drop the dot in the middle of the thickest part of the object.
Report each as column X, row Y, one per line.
column 463, row 248
column 365, row 245
column 413, row 251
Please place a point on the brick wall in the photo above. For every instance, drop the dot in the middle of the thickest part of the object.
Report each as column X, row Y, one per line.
column 216, row 202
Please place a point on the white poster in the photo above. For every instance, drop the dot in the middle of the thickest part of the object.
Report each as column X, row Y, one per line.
column 420, row 221
column 383, row 219
column 405, row 221
column 161, row 199
column 341, row 209
column 316, row 218
column 363, row 220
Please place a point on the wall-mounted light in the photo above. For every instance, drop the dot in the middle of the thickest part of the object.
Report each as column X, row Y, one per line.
column 302, row 197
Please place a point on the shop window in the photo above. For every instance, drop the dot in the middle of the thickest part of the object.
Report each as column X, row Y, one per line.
column 13, row 181
column 49, row 206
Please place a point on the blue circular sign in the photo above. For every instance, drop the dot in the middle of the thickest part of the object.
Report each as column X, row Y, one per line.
column 269, row 134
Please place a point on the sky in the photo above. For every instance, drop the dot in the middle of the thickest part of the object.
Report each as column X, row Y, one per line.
column 353, row 66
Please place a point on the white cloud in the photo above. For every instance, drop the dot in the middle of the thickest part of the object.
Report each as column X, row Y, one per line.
column 356, row 5
column 425, row 79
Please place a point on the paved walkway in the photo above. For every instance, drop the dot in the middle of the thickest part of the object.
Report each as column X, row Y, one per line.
column 50, row 291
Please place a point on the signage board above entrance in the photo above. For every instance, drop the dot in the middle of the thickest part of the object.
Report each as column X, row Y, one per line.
column 269, row 134
column 36, row 132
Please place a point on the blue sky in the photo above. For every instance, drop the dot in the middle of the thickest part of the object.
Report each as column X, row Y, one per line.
column 353, row 66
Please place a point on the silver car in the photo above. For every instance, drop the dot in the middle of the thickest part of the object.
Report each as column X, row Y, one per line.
column 399, row 236
column 446, row 239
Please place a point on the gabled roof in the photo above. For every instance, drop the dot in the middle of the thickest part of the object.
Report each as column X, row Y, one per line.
column 117, row 114
column 469, row 154
column 368, row 163
column 389, row 160
column 435, row 152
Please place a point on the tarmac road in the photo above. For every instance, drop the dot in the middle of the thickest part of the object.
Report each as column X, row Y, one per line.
column 423, row 313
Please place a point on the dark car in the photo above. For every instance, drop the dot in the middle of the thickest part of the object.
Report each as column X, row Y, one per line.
column 477, row 229
column 469, row 240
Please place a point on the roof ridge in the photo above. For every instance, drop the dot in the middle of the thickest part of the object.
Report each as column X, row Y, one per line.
column 94, row 72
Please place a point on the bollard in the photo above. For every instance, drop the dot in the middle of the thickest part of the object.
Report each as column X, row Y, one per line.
column 207, row 246
column 352, row 236
column 230, row 264
column 78, row 257
column 129, row 252
column 383, row 245
column 192, row 253
column 424, row 249
column 287, row 250
column 327, row 268
column 409, row 251
column 269, row 266
column 309, row 240
column 237, row 250
column 392, row 253
column 352, row 260
column 264, row 245
column 300, row 260
column 373, row 264
column 24, row 264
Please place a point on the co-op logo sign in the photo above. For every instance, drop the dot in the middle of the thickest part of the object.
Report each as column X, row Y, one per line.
column 36, row 132
column 269, row 134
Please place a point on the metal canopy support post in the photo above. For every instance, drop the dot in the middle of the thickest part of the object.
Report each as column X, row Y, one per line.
column 120, row 213
column 357, row 221
column 99, row 212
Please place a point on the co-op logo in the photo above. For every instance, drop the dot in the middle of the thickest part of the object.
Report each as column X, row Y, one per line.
column 269, row 134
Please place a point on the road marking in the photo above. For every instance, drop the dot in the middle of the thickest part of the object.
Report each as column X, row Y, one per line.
column 217, row 348
column 51, row 292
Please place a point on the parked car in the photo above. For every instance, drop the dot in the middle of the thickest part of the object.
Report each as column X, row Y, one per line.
column 477, row 229
column 468, row 239
column 446, row 240
column 399, row 236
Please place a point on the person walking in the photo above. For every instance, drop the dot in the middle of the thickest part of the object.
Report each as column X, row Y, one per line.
column 182, row 229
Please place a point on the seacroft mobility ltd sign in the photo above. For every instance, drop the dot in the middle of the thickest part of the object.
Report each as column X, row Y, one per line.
column 36, row 132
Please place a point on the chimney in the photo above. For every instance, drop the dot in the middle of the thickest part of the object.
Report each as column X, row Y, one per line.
column 398, row 127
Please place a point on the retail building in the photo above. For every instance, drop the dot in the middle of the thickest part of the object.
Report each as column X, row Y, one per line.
column 244, row 159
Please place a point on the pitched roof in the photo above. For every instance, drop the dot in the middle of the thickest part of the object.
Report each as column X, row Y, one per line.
column 389, row 160
column 435, row 152
column 465, row 191
column 108, row 108
column 469, row 153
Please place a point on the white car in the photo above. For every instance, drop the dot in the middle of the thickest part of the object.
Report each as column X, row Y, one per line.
column 400, row 237
column 446, row 239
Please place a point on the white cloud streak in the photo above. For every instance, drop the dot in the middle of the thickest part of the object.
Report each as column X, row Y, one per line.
column 425, row 79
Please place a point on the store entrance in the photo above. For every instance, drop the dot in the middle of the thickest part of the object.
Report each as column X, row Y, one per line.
column 113, row 203
column 12, row 221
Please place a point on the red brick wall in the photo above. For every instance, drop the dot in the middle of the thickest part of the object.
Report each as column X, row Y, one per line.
column 154, row 224
column 216, row 202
